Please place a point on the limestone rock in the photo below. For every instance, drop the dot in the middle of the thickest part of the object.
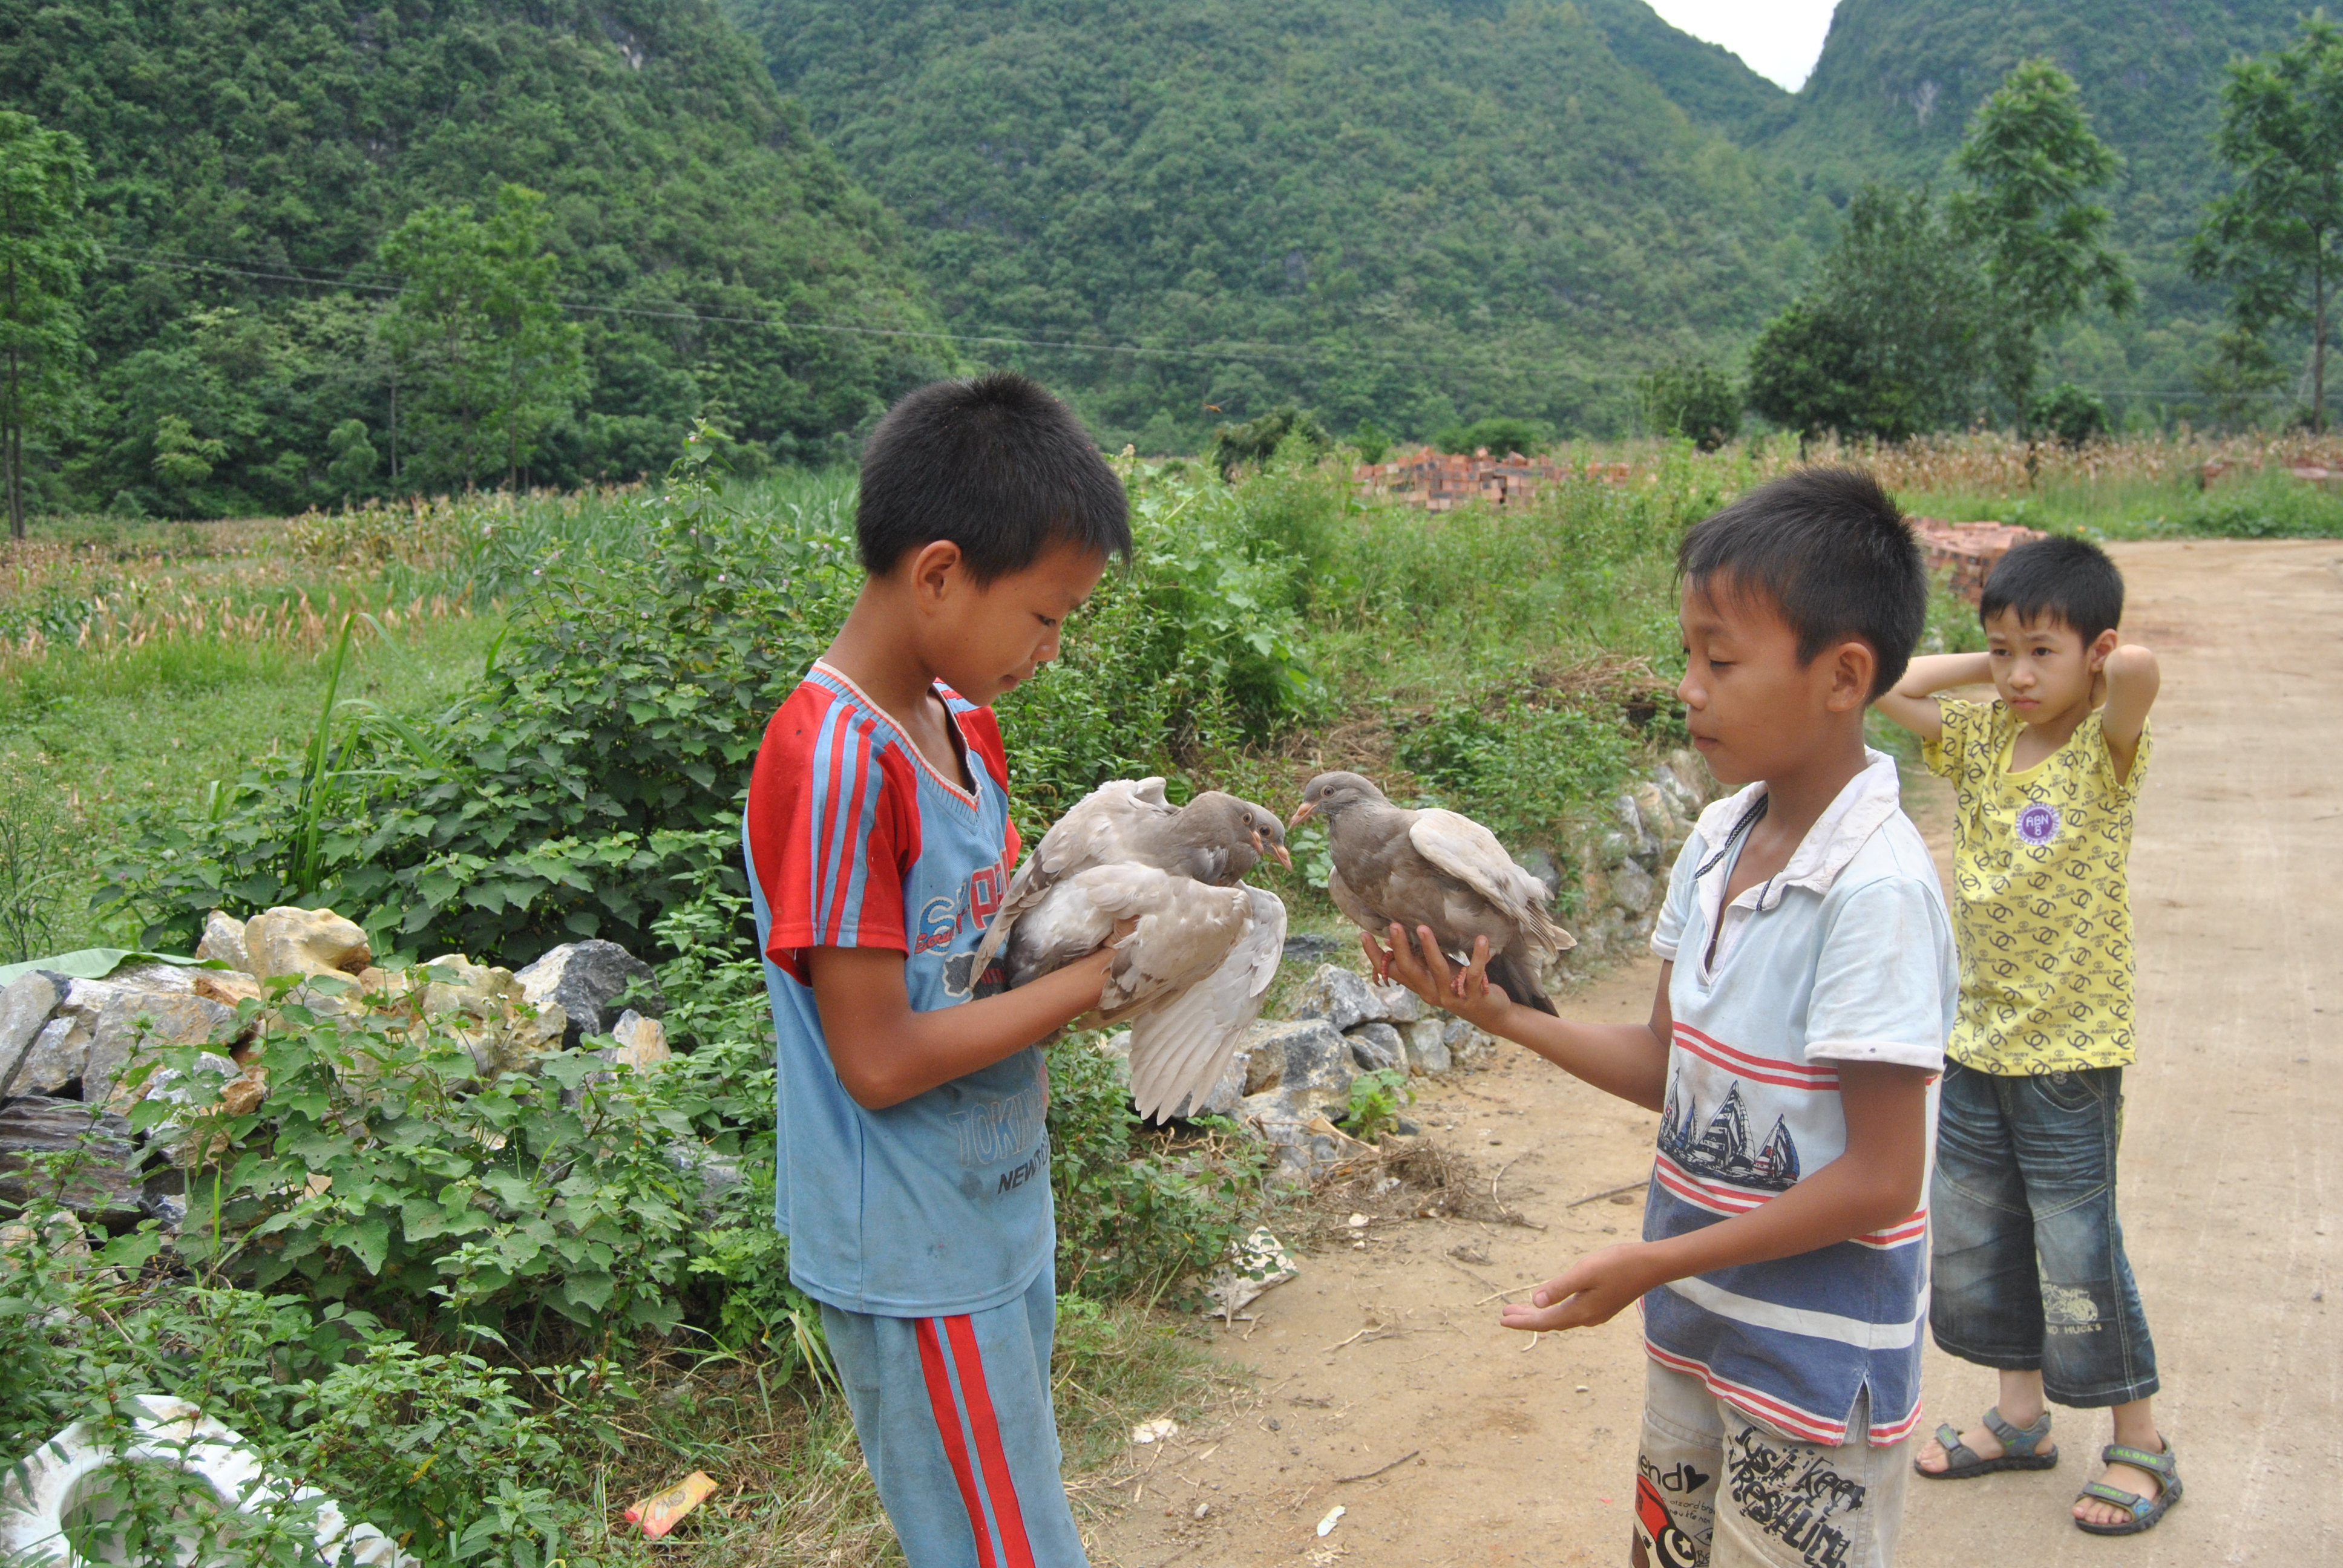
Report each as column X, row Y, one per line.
column 642, row 1042
column 1297, row 1123
column 1297, row 1054
column 1377, row 1048
column 1223, row 1098
column 224, row 940
column 1313, row 947
column 55, row 1058
column 24, row 1008
column 129, row 1020
column 103, row 1185
column 292, row 941
column 585, row 979
column 1468, row 1044
column 227, row 987
column 1540, row 864
column 1346, row 999
column 486, row 1009
column 1632, row 887
column 1427, row 1046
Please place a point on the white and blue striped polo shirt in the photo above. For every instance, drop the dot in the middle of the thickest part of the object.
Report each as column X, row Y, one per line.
column 1844, row 955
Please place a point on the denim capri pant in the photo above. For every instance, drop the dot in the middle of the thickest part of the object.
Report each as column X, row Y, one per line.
column 2030, row 1271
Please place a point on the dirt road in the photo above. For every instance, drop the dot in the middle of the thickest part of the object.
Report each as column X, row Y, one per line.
column 1519, row 1451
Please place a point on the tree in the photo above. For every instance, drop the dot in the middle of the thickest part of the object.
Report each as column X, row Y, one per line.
column 2239, row 376
column 44, row 250
column 478, row 318
column 1257, row 440
column 1886, row 342
column 1498, row 434
column 2274, row 237
column 2030, row 156
column 1692, row 402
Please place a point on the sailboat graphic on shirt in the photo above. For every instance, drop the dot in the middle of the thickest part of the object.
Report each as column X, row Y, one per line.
column 1722, row 1149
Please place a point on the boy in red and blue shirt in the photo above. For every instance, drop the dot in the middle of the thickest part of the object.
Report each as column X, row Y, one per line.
column 912, row 1164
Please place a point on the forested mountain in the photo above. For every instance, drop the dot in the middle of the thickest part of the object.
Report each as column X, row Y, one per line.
column 248, row 158
column 1897, row 80
column 1398, row 210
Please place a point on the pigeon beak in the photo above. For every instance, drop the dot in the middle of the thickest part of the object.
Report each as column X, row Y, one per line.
column 1283, row 859
column 1308, row 810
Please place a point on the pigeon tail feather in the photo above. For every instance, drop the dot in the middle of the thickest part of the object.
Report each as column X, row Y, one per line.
column 1519, row 982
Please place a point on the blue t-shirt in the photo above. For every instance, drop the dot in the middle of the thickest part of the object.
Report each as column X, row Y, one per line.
column 940, row 1205
column 1844, row 955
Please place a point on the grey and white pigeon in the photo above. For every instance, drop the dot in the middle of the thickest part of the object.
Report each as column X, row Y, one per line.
column 1437, row 868
column 1214, row 839
column 1189, row 977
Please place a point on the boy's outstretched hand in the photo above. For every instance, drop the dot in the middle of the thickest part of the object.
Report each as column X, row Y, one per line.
column 1591, row 1291
column 1423, row 968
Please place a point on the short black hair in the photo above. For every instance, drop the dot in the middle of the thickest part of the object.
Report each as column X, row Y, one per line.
column 1831, row 548
column 995, row 465
column 2068, row 580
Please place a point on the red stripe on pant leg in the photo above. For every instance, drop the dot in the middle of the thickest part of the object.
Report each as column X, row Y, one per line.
column 998, row 1485
column 939, row 1395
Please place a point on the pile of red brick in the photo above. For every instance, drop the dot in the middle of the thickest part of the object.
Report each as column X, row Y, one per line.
column 1970, row 549
column 1441, row 481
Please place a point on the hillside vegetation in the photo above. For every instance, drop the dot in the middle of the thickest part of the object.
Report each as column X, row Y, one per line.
column 248, row 159
column 1411, row 212
column 1898, row 80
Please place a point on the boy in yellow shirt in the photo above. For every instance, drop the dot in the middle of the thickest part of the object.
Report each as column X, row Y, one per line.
column 2030, row 1273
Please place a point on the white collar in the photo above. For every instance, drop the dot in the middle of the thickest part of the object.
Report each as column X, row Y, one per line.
column 1868, row 801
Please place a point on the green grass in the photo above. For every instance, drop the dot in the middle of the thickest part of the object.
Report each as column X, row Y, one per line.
column 82, row 735
column 2266, row 503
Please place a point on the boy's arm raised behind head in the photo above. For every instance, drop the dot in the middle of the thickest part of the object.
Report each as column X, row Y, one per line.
column 2133, row 680
column 885, row 1051
column 1911, row 701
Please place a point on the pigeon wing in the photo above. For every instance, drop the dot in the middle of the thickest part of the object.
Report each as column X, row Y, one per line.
column 1102, row 827
column 1180, row 1051
column 1185, row 929
column 1469, row 852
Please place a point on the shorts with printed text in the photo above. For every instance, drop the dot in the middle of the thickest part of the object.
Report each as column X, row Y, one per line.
column 1716, row 1488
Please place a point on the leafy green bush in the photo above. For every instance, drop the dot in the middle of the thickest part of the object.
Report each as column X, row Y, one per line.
column 2069, row 412
column 462, row 1460
column 1499, row 433
column 1690, row 401
column 1136, row 1211
column 1525, row 770
column 1258, row 440
column 381, row 1170
column 570, row 793
column 1376, row 1100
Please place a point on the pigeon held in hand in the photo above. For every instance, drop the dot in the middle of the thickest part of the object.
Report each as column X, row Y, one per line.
column 1189, row 977
column 1214, row 839
column 1437, row 869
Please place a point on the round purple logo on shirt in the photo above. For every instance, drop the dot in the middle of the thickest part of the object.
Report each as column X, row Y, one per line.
column 2038, row 824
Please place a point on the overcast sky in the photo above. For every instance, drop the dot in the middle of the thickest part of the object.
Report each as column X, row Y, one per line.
column 1779, row 38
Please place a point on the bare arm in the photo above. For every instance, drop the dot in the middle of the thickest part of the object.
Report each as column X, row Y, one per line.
column 1874, row 1185
column 1912, row 702
column 885, row 1051
column 2132, row 680
column 1628, row 1060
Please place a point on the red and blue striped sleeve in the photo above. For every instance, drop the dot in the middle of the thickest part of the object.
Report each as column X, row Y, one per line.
column 833, row 829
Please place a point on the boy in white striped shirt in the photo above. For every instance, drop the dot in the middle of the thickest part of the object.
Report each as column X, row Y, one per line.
column 1806, row 986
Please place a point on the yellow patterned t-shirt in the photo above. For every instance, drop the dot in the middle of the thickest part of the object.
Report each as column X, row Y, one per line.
column 2041, row 902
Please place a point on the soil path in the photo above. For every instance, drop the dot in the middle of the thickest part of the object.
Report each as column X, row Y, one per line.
column 1519, row 1451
